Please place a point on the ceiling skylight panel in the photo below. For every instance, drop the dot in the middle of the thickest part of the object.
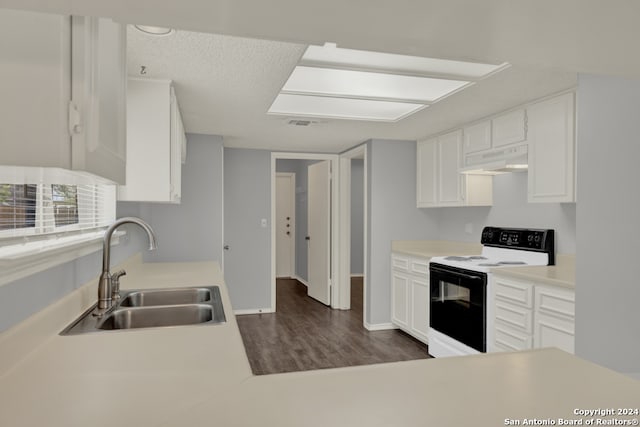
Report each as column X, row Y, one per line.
column 361, row 84
column 331, row 56
column 342, row 108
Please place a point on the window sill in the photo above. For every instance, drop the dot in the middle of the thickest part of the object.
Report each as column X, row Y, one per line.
column 21, row 260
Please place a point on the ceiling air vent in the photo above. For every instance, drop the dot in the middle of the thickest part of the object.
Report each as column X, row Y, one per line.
column 299, row 122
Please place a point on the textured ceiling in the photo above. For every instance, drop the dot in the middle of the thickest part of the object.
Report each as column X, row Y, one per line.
column 225, row 85
column 546, row 41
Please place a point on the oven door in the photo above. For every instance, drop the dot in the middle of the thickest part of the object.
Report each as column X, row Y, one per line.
column 458, row 304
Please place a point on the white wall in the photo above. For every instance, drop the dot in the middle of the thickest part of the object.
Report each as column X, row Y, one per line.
column 608, row 217
column 510, row 209
column 391, row 175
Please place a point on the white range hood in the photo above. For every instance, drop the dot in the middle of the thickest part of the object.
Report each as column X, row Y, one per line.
column 494, row 162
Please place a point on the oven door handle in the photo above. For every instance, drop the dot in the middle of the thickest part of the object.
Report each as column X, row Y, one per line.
column 455, row 273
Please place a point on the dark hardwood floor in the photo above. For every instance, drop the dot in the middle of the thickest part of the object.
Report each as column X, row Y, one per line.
column 304, row 334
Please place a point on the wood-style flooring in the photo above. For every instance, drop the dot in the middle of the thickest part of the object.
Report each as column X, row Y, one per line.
column 304, row 334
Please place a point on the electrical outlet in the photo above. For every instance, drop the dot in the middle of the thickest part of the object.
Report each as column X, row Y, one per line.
column 263, row 223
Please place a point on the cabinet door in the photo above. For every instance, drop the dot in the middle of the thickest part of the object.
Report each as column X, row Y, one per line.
column 419, row 325
column 551, row 150
column 554, row 323
column 426, row 173
column 35, row 83
column 449, row 177
column 477, row 137
column 400, row 299
column 509, row 128
column 177, row 136
column 98, row 108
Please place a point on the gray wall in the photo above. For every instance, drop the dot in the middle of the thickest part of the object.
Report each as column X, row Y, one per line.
column 247, row 200
column 510, row 209
column 608, row 288
column 357, row 216
column 27, row 296
column 191, row 230
column 392, row 216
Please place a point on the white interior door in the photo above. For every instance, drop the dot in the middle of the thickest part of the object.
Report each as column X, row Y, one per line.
column 285, row 222
column 319, row 229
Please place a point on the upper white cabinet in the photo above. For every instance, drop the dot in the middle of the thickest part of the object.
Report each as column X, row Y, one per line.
column 439, row 182
column 97, row 113
column 551, row 140
column 48, row 61
column 477, row 137
column 509, row 128
column 155, row 143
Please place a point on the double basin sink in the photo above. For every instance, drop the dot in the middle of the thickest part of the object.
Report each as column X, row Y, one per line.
column 151, row 308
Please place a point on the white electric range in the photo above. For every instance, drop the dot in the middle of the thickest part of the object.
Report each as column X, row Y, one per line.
column 461, row 285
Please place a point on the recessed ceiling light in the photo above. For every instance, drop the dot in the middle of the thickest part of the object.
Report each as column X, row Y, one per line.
column 342, row 108
column 367, row 85
column 352, row 84
column 155, row 31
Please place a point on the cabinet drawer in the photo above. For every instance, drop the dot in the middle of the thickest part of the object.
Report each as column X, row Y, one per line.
column 400, row 263
column 419, row 266
column 512, row 291
column 515, row 316
column 556, row 302
column 509, row 339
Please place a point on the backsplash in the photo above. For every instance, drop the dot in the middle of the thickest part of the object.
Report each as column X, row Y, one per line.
column 510, row 209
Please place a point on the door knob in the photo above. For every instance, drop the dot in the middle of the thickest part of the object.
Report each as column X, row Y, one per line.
column 307, row 238
column 288, row 233
column 226, row 247
column 288, row 218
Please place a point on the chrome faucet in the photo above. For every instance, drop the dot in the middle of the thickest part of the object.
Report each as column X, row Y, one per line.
column 105, row 291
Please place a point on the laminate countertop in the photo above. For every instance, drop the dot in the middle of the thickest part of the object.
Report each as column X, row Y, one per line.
column 199, row 375
column 562, row 274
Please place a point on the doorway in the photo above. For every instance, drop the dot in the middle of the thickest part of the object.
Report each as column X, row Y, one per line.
column 353, row 224
column 318, row 271
column 285, row 222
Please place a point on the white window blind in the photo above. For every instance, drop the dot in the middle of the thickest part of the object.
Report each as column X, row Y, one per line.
column 45, row 202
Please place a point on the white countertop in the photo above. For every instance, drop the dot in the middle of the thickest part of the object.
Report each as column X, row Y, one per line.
column 433, row 248
column 199, row 375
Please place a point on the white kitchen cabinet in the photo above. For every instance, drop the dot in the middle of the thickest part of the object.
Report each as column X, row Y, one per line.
column 477, row 137
column 410, row 295
column 526, row 315
column 509, row 128
column 439, row 182
column 555, row 318
column 155, row 142
column 551, row 137
column 97, row 113
column 63, row 85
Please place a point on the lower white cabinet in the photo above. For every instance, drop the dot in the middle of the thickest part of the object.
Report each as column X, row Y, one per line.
column 410, row 295
column 528, row 315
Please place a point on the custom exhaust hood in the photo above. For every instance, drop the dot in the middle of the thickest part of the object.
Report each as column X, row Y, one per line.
column 494, row 162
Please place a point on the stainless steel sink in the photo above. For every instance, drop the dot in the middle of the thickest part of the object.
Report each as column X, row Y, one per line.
column 165, row 297
column 153, row 317
column 154, row 308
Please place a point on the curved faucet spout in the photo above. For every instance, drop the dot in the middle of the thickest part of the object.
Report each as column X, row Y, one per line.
column 104, row 286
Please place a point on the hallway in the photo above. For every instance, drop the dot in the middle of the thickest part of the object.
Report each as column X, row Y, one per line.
column 304, row 335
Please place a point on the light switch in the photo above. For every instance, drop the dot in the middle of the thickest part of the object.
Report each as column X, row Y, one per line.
column 263, row 223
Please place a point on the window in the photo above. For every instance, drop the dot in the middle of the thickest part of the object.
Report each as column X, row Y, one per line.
column 41, row 203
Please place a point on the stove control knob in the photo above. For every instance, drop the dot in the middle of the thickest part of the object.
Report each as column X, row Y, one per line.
column 537, row 237
column 530, row 238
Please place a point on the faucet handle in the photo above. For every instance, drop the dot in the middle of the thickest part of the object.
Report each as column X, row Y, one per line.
column 115, row 284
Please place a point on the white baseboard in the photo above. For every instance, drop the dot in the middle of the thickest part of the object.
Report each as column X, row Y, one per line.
column 301, row 280
column 253, row 311
column 357, row 275
column 379, row 326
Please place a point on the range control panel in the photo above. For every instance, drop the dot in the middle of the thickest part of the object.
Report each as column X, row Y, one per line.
column 519, row 238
